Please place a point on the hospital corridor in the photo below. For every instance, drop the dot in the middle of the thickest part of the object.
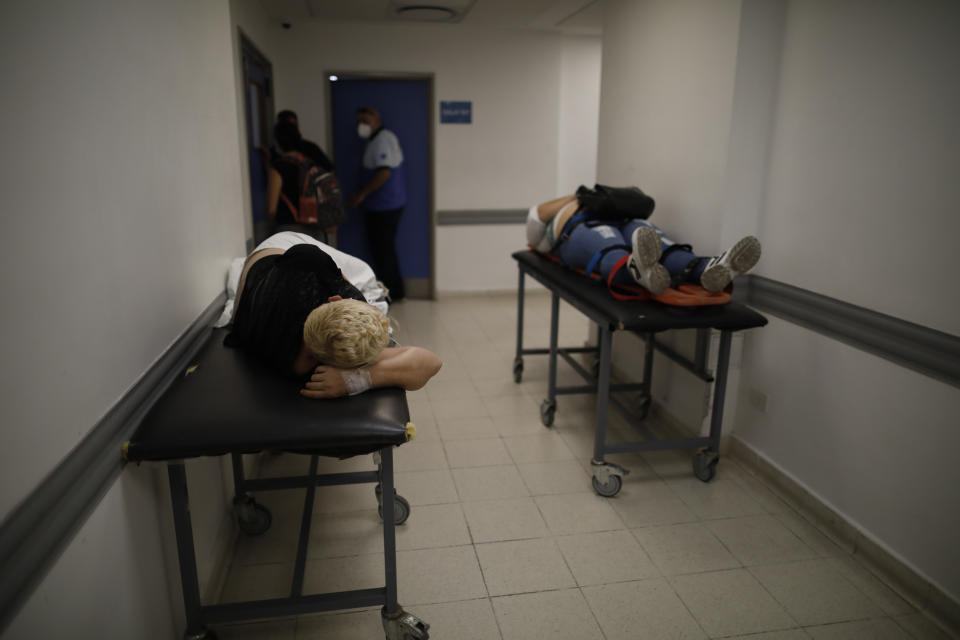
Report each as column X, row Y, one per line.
column 480, row 320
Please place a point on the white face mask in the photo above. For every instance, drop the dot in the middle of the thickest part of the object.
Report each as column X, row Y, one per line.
column 364, row 130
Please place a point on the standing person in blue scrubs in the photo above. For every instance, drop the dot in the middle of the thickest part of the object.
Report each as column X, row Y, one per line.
column 383, row 196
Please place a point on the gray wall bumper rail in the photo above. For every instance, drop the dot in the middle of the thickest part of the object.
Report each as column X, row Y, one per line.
column 35, row 532
column 927, row 351
column 481, row 216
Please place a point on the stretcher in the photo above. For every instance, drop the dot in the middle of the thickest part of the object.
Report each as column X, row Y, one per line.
column 645, row 318
column 226, row 403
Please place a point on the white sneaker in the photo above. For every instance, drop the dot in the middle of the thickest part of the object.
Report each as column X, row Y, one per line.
column 735, row 261
column 644, row 263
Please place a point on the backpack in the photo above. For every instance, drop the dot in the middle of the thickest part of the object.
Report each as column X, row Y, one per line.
column 614, row 203
column 321, row 202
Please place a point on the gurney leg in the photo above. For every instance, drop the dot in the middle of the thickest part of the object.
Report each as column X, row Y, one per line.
column 401, row 508
column 518, row 360
column 705, row 460
column 643, row 402
column 549, row 406
column 397, row 623
column 389, row 529
column 299, row 566
column 606, row 476
column 252, row 518
column 186, row 553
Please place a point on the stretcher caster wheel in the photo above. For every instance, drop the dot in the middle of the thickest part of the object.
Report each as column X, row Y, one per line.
column 252, row 518
column 548, row 409
column 705, row 464
column 607, row 478
column 203, row 634
column 518, row 370
column 401, row 508
column 609, row 488
column 404, row 626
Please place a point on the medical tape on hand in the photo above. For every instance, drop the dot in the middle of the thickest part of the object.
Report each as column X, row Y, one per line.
column 356, row 380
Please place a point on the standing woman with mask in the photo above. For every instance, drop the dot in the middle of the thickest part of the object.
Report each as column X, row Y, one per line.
column 383, row 195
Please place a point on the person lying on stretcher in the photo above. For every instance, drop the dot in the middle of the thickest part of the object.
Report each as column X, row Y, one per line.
column 590, row 232
column 295, row 311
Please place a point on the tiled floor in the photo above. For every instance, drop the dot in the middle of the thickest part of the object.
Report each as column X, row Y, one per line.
column 507, row 540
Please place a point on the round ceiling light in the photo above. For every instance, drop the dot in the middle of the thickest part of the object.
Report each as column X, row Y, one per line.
column 426, row 13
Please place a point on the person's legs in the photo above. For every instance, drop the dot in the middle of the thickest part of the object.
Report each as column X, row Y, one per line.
column 676, row 258
column 382, row 235
column 735, row 261
column 714, row 274
column 596, row 249
column 585, row 242
column 656, row 259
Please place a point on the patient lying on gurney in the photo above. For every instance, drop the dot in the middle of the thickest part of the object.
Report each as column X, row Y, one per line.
column 589, row 232
column 295, row 311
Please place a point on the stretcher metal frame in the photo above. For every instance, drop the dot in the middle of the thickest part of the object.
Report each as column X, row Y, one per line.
column 200, row 416
column 607, row 476
column 255, row 519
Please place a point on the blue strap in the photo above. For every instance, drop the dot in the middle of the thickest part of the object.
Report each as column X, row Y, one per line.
column 598, row 256
column 566, row 231
column 594, row 261
column 571, row 225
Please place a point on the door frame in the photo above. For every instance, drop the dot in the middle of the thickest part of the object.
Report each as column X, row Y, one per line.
column 249, row 50
column 431, row 293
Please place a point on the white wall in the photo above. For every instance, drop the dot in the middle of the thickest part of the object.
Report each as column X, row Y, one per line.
column 864, row 157
column 861, row 205
column 829, row 129
column 535, row 98
column 579, row 117
column 665, row 108
column 123, row 205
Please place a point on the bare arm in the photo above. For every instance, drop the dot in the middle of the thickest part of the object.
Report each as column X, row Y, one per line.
column 407, row 367
column 548, row 210
column 377, row 181
column 274, row 183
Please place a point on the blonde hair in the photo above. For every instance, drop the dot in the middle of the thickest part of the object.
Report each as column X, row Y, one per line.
column 346, row 333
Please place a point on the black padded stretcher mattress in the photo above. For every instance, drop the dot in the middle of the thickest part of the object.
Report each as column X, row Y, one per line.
column 228, row 403
column 592, row 297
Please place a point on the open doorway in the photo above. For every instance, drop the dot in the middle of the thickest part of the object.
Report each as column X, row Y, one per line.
column 405, row 104
column 258, row 99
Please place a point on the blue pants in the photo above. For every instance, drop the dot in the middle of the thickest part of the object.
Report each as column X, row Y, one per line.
column 586, row 241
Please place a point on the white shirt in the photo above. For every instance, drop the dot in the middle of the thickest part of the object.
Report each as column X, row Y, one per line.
column 383, row 151
column 355, row 271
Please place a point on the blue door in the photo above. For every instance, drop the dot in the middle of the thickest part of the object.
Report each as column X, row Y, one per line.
column 404, row 109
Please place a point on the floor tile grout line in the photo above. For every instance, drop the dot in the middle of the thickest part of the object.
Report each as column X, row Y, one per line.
column 737, row 557
column 703, row 521
column 845, row 554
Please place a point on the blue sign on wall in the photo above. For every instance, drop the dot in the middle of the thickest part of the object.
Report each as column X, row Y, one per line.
column 456, row 112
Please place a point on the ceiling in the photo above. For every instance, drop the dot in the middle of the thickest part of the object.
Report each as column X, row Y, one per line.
column 575, row 17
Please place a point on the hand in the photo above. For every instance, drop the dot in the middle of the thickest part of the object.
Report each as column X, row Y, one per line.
column 355, row 198
column 326, row 382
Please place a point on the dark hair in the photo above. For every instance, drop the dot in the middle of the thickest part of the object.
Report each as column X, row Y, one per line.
column 287, row 136
column 286, row 116
column 369, row 111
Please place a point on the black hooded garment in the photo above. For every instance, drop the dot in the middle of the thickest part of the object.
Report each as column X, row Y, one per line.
column 279, row 293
